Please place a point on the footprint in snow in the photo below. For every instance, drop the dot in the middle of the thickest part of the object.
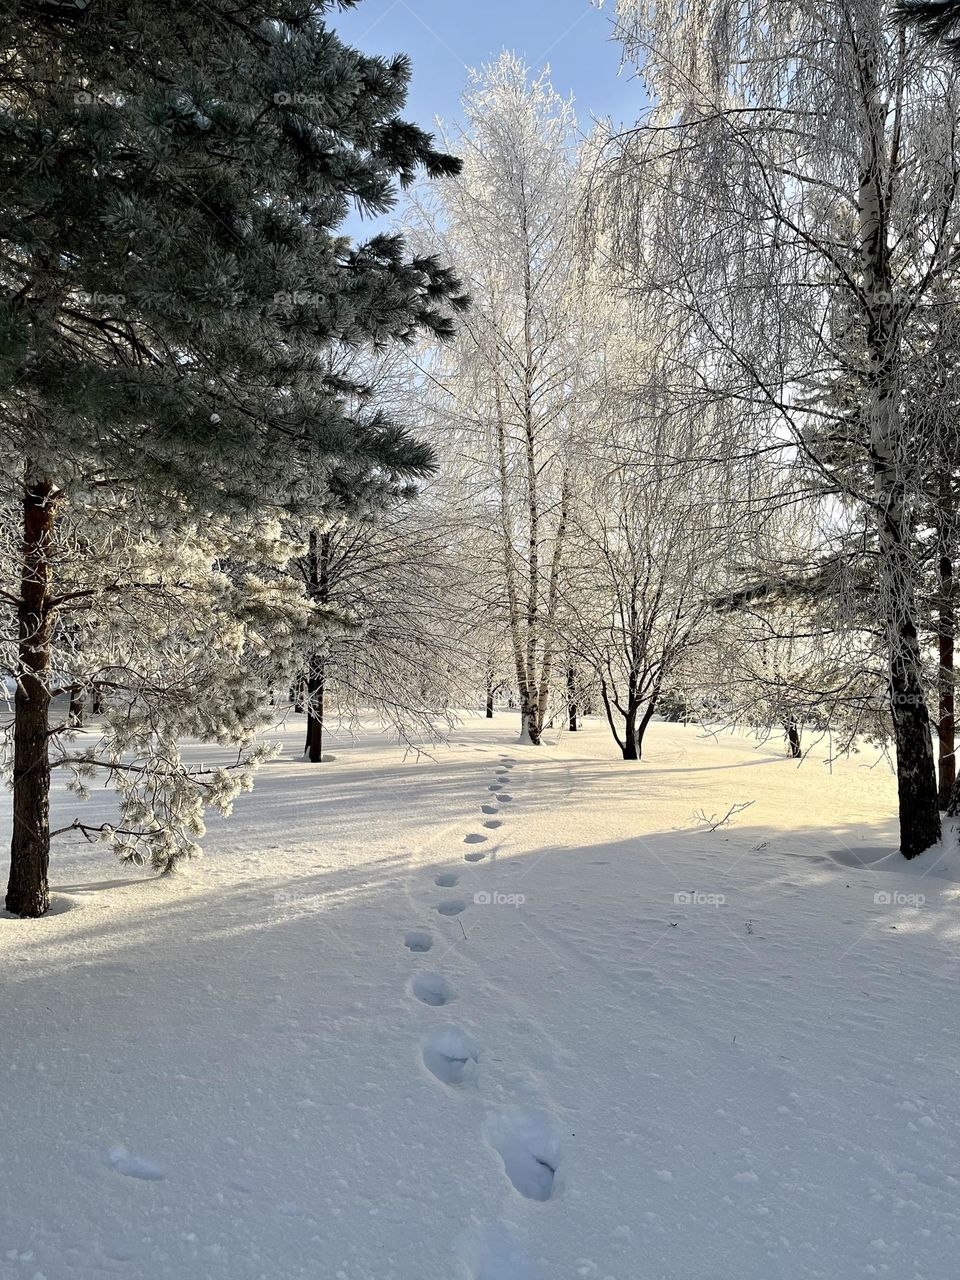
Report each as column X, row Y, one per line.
column 493, row 824
column 418, row 940
column 495, row 786
column 432, row 989
column 474, row 838
column 451, row 1055
column 447, row 880
column 477, row 856
column 489, row 808
column 529, row 1146
column 134, row 1166
column 452, row 907
column 504, row 798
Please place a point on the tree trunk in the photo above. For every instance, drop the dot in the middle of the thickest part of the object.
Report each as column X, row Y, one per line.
column 28, row 892
column 315, row 709
column 531, row 728
column 793, row 739
column 892, row 473
column 916, row 775
column 318, row 588
column 573, row 712
column 947, row 725
column 99, row 705
column 647, row 717
column 490, row 699
column 631, row 745
column 78, row 702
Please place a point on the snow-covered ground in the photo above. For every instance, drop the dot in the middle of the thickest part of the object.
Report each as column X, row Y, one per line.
column 500, row 1014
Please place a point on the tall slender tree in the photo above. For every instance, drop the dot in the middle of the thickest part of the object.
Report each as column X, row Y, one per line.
column 513, row 384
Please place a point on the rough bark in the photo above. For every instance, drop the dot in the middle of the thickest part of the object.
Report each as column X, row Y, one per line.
column 793, row 739
column 78, row 703
column 318, row 589
column 916, row 771
column 630, row 746
column 28, row 892
column 947, row 723
column 573, row 711
column 315, row 709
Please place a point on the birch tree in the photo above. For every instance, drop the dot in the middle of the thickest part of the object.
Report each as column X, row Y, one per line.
column 510, row 389
column 802, row 164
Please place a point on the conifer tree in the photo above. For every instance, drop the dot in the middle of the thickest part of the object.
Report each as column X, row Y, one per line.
column 172, row 284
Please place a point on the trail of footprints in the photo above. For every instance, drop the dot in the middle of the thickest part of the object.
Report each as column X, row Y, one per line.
column 526, row 1140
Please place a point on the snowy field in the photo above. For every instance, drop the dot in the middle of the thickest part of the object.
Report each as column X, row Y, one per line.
column 498, row 1014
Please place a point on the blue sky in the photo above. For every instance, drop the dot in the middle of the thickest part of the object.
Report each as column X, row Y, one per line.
column 445, row 37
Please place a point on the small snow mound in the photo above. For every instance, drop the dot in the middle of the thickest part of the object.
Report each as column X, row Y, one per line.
column 134, row 1166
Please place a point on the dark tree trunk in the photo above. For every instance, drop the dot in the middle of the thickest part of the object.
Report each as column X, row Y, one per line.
column 99, row 705
column 793, row 739
column 916, row 774
column 315, row 710
column 647, row 717
column 78, row 702
column 490, row 699
column 631, row 744
column 947, row 724
column 318, row 587
column 573, row 711
column 28, row 892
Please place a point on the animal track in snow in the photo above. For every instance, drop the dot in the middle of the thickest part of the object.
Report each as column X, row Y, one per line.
column 529, row 1146
column 493, row 824
column 432, row 989
column 495, row 786
column 418, row 940
column 501, row 1259
column 134, row 1166
column 451, row 1055
column 477, row 856
column 452, row 907
column 504, row 798
column 448, row 880
column 489, row 808
column 474, row 838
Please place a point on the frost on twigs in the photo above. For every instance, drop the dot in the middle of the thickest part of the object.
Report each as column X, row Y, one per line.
column 169, row 632
column 715, row 821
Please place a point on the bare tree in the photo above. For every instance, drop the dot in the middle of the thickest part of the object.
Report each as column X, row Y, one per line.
column 509, row 392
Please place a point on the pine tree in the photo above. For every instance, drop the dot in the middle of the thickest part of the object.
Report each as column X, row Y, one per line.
column 937, row 20
column 172, row 285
